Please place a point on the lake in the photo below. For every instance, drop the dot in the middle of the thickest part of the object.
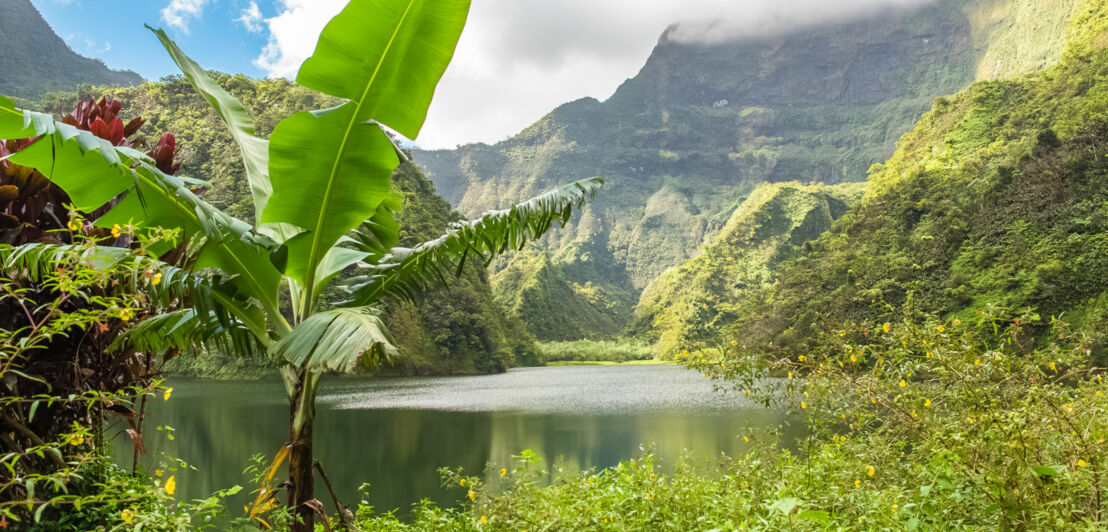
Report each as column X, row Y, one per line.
column 394, row 433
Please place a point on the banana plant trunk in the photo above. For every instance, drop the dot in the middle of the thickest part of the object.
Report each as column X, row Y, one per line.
column 301, row 489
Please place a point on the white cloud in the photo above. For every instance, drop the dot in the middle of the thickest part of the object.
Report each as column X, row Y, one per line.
column 107, row 48
column 179, row 13
column 518, row 59
column 251, row 18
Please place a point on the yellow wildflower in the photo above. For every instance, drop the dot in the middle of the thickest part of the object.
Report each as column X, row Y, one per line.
column 734, row 343
column 74, row 225
column 158, row 472
column 168, row 392
column 1081, row 463
column 171, row 485
column 76, row 439
column 903, row 383
column 927, row 403
column 472, row 495
column 156, row 279
column 1053, row 367
column 842, row 334
column 127, row 515
column 870, row 470
column 746, row 393
column 803, row 404
column 801, row 358
column 462, row 482
column 857, row 483
column 790, row 375
column 929, row 354
column 853, row 358
column 745, row 439
column 503, row 471
column 484, row 520
column 677, row 356
column 842, row 438
column 116, row 231
column 886, row 327
column 956, row 323
column 941, row 329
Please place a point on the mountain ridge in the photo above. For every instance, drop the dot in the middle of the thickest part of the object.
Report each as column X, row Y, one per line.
column 45, row 62
column 682, row 142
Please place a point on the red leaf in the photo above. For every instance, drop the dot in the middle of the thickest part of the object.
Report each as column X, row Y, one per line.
column 99, row 128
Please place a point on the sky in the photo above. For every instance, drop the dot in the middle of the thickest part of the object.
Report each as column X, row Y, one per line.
column 515, row 62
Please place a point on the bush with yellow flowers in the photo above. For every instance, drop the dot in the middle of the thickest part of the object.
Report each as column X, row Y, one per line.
column 922, row 424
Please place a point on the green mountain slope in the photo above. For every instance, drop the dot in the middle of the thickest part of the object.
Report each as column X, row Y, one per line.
column 999, row 196
column 460, row 330
column 688, row 304
column 701, row 125
column 35, row 60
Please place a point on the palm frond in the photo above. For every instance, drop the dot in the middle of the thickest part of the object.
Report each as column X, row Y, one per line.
column 404, row 272
column 336, row 340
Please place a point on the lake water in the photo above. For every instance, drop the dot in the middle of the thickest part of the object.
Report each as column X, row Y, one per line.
column 395, row 432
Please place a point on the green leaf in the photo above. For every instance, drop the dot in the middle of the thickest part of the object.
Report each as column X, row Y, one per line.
column 387, row 56
column 336, row 340
column 785, row 505
column 818, row 516
column 255, row 151
column 1049, row 471
column 329, row 175
column 406, row 272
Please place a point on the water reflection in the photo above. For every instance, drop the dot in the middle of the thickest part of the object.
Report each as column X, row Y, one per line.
column 395, row 433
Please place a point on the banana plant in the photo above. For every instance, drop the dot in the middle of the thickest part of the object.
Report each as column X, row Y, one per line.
column 324, row 205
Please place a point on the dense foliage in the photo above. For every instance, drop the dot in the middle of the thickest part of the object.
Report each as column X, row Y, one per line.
column 459, row 330
column 998, row 196
column 689, row 304
column 918, row 425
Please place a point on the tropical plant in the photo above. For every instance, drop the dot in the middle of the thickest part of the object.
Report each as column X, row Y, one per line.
column 323, row 205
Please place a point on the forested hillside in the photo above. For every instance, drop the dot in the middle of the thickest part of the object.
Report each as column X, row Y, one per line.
column 461, row 330
column 998, row 197
column 35, row 60
column 701, row 125
column 688, row 305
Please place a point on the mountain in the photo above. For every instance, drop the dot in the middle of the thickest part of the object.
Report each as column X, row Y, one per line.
column 687, row 305
column 36, row 61
column 702, row 124
column 998, row 197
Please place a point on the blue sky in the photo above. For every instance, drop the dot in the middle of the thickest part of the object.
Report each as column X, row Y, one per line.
column 113, row 31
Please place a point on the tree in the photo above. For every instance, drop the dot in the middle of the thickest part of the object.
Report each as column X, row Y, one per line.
column 323, row 204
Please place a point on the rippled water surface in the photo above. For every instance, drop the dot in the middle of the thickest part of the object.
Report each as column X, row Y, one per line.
column 395, row 432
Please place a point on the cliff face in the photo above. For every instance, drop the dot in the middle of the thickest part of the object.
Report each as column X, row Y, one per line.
column 35, row 60
column 682, row 143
